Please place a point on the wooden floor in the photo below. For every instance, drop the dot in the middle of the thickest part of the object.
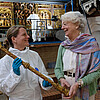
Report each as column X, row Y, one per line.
column 51, row 94
column 97, row 97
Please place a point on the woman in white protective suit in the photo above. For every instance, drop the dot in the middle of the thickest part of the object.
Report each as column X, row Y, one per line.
column 15, row 81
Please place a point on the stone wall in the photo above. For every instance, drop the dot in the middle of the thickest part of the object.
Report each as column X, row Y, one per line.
column 94, row 23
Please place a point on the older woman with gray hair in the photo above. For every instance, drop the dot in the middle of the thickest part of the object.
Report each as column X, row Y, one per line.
column 78, row 61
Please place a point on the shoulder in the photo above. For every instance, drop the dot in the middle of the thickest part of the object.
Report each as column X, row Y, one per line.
column 33, row 52
column 61, row 48
column 6, row 59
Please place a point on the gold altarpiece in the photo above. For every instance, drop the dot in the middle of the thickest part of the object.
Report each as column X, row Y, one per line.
column 6, row 14
column 13, row 13
column 47, row 11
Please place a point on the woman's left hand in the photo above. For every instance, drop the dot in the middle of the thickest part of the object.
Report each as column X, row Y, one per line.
column 72, row 92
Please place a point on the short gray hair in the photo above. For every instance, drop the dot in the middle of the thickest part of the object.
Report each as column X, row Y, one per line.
column 74, row 17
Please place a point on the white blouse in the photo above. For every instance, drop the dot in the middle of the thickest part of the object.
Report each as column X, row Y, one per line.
column 69, row 61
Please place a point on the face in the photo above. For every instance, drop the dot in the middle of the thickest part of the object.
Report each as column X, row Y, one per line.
column 69, row 28
column 21, row 41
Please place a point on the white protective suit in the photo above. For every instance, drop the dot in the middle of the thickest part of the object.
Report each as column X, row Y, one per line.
column 26, row 86
column 35, row 22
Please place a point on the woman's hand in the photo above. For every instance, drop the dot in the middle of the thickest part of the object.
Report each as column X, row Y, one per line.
column 64, row 83
column 16, row 65
column 72, row 92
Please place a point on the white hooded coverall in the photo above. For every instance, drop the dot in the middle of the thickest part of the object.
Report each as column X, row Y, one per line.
column 26, row 86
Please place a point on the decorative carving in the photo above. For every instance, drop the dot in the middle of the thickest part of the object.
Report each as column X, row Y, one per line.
column 6, row 14
column 44, row 6
column 6, row 4
column 45, row 14
column 22, row 11
column 58, row 13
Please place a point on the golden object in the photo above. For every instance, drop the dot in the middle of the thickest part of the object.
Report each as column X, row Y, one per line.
column 27, row 65
column 44, row 6
column 45, row 14
column 1, row 93
column 58, row 6
column 5, row 4
column 0, row 45
column 6, row 14
column 59, row 12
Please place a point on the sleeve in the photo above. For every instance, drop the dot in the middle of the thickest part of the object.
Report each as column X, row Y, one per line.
column 59, row 64
column 91, row 77
column 8, row 80
column 43, row 71
column 41, row 81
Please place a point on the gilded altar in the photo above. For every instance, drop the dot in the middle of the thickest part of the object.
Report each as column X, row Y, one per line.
column 18, row 12
column 6, row 14
column 46, row 13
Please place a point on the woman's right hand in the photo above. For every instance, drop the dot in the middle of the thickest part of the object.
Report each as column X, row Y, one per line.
column 64, row 83
column 16, row 65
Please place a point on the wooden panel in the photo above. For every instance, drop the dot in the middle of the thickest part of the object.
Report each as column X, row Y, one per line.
column 47, row 53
